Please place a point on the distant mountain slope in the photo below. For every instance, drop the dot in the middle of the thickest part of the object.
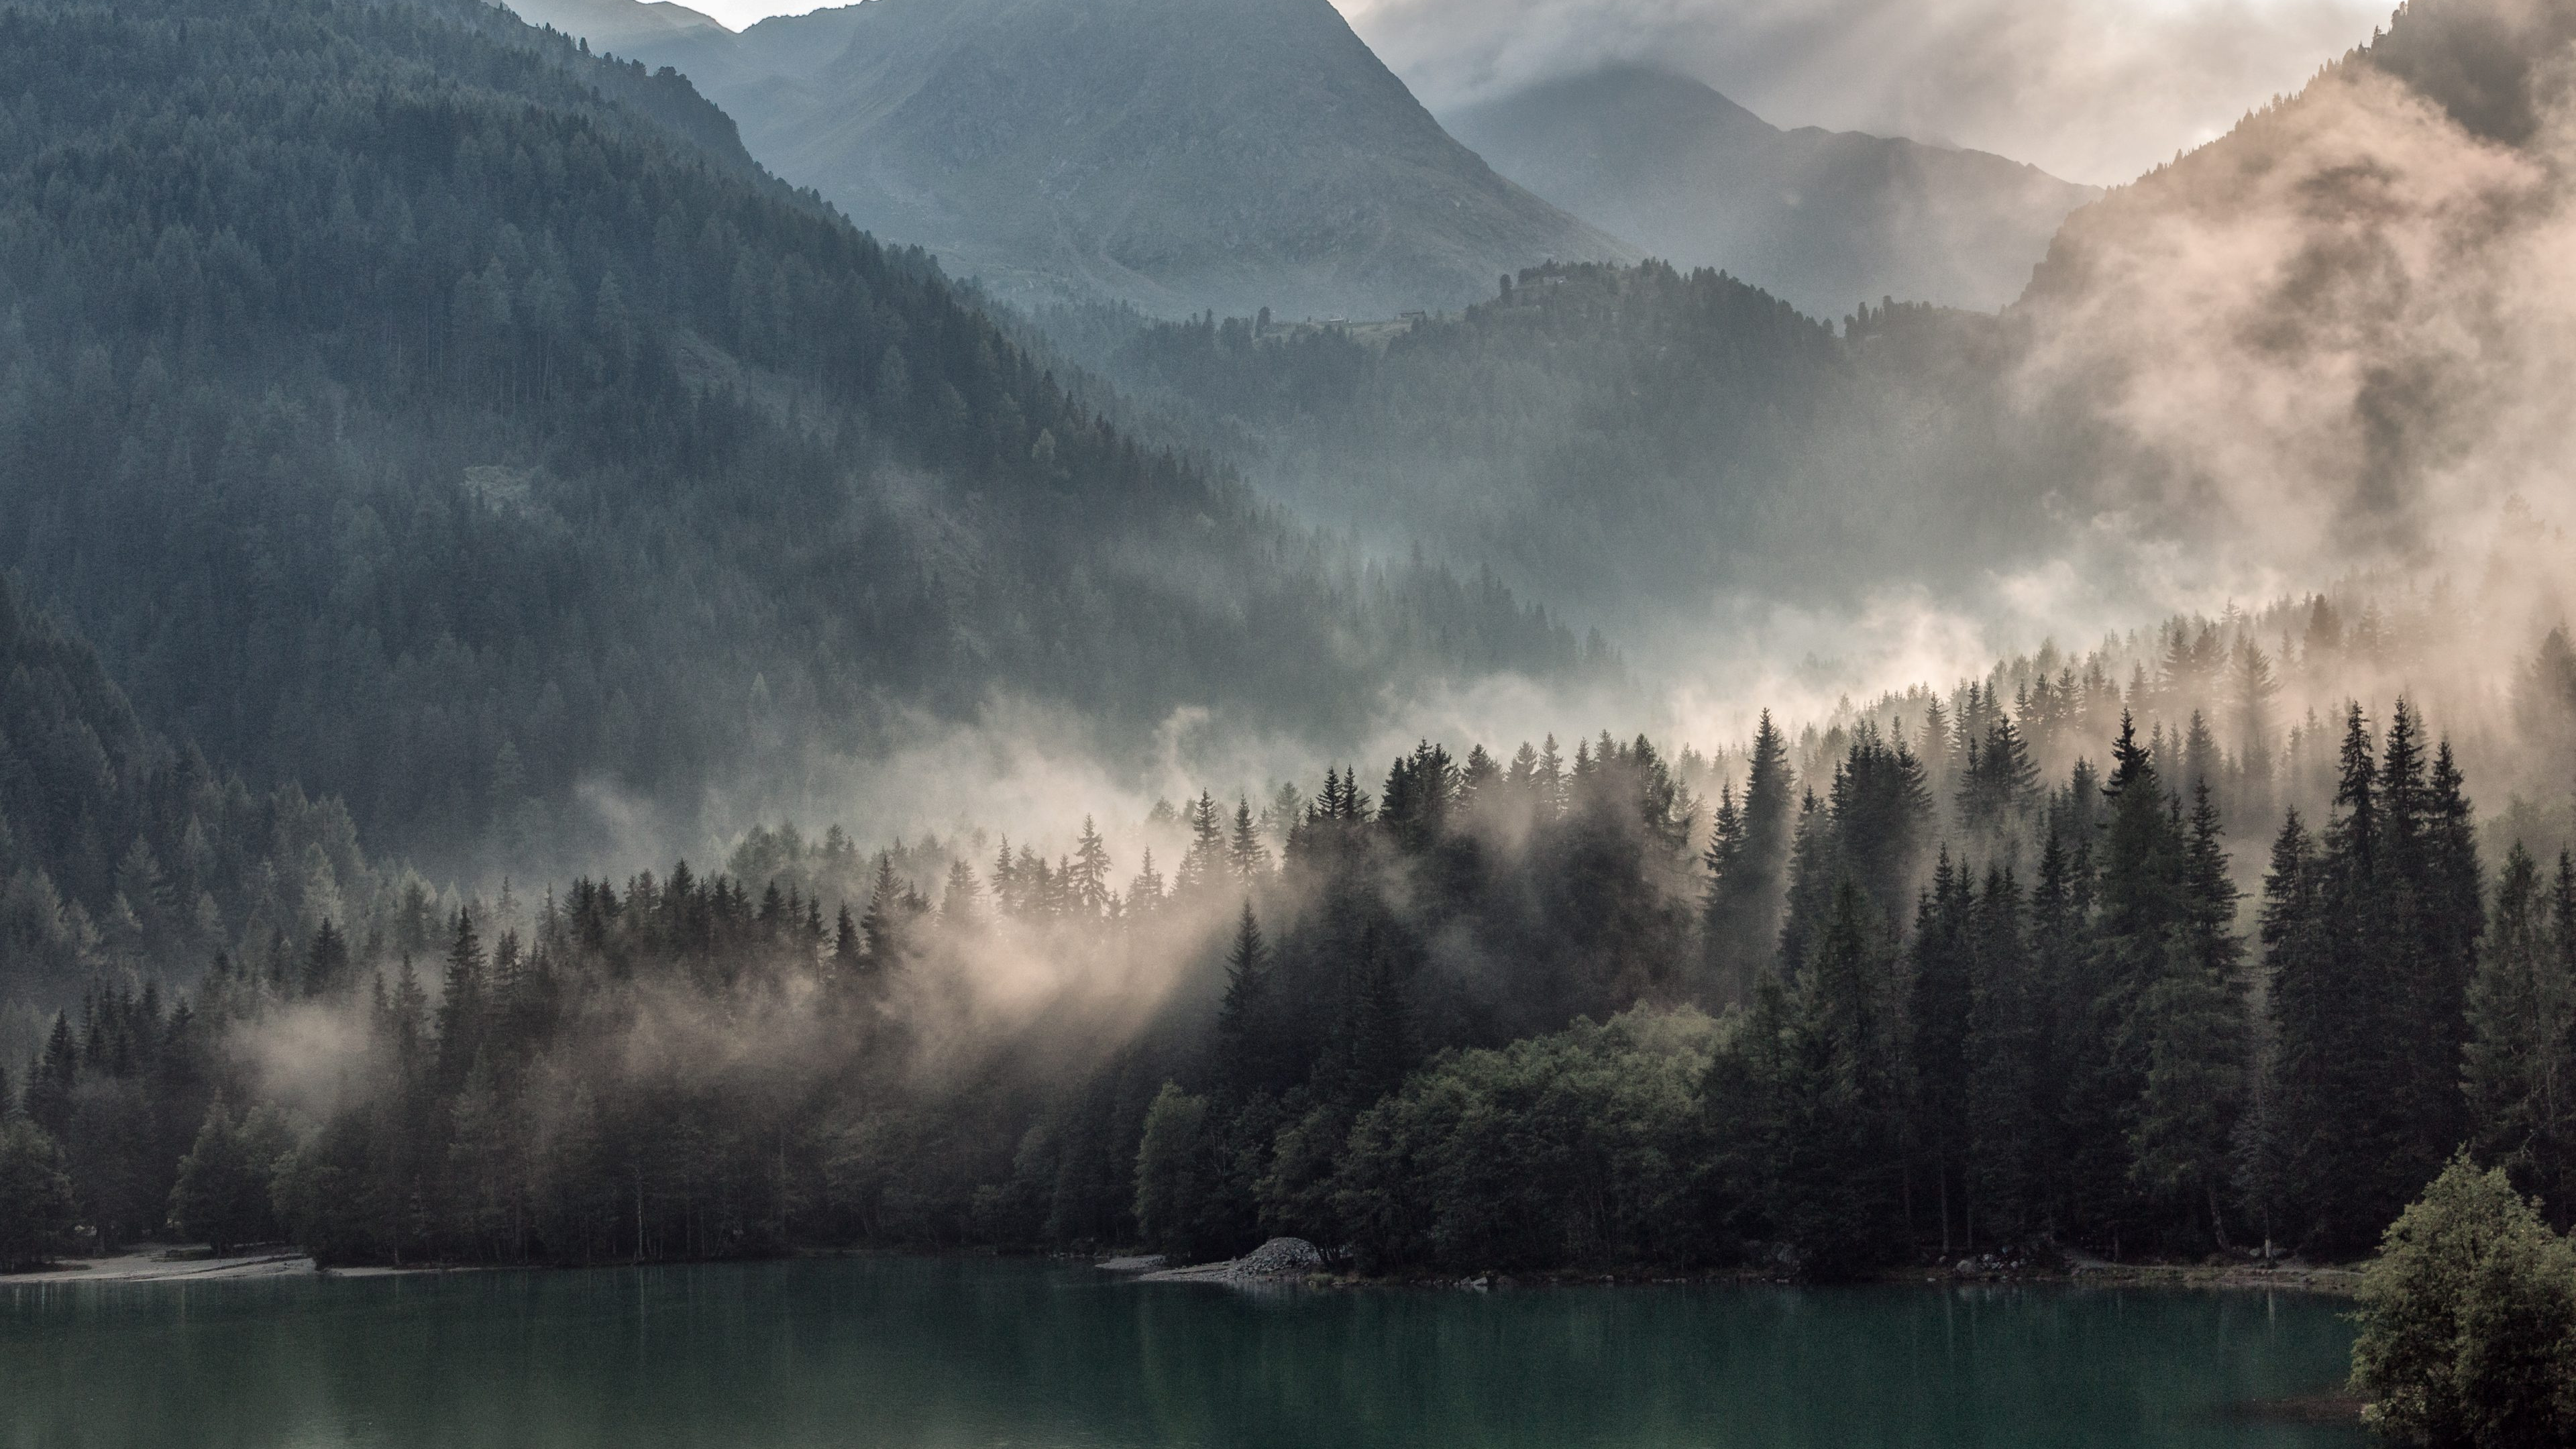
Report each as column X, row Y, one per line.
column 404, row 411
column 1178, row 154
column 1637, row 443
column 1826, row 219
column 617, row 24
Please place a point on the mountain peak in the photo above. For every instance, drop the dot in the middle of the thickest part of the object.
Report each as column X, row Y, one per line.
column 1179, row 154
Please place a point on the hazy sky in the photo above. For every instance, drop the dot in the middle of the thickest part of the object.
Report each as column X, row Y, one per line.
column 2093, row 90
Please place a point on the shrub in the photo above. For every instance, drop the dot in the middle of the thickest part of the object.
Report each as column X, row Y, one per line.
column 2468, row 1321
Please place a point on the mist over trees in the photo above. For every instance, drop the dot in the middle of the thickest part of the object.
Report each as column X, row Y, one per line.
column 419, row 411
column 1620, row 439
column 416, row 408
column 2016, row 966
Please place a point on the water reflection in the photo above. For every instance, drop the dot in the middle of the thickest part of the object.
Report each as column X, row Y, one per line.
column 913, row 1352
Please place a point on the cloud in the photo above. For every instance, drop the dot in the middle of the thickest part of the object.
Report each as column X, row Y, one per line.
column 2338, row 342
column 2091, row 90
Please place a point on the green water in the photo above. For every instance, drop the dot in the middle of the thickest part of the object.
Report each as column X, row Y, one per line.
column 917, row 1352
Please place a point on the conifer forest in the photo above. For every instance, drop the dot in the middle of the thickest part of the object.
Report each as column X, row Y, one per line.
column 565, row 703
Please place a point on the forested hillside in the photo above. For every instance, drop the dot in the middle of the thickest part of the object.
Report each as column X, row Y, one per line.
column 414, row 407
column 2330, row 341
column 1635, row 443
column 122, row 854
column 2150, row 950
column 1827, row 219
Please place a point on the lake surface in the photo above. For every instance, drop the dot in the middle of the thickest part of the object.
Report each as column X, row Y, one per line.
column 941, row 1352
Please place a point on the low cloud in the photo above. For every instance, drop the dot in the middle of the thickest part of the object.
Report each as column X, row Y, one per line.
column 2091, row 90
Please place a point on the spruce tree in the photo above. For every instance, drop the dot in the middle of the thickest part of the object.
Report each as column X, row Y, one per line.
column 2003, row 1126
column 463, row 1003
column 1203, row 865
column 1940, row 1012
column 849, row 953
column 2198, row 1039
column 957, row 903
column 1088, row 887
column 881, row 928
column 1246, row 855
column 2107, row 1051
column 2520, row 1007
column 1835, row 1152
column 326, row 961
column 1747, row 859
column 51, row 1079
column 1241, row 1020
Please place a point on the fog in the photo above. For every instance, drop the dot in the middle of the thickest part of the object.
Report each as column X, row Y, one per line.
column 2086, row 89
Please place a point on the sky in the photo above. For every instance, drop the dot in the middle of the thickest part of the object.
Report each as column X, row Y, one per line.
column 2091, row 90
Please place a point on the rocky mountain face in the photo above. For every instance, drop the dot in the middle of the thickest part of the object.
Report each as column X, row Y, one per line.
column 1176, row 154
column 1826, row 219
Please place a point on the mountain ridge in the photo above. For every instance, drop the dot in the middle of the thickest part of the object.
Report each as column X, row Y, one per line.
column 1179, row 156
column 1826, row 219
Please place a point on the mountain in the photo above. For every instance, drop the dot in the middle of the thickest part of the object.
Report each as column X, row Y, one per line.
column 1826, row 219
column 412, row 407
column 1640, row 444
column 2336, row 335
column 618, row 24
column 1176, row 154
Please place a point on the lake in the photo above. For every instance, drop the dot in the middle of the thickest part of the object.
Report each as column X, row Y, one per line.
column 942, row 1352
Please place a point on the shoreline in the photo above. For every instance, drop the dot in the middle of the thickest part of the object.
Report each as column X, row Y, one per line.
column 161, row 1264
column 2328, row 1281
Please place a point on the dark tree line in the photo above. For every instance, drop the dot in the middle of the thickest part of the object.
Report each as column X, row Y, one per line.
column 1471, row 1013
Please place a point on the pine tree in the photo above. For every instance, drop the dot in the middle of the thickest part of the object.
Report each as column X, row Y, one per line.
column 1087, row 881
column 2251, row 690
column 2107, row 1052
column 1204, row 863
column 1835, row 1131
column 1242, row 1049
column 881, row 929
column 1747, row 859
column 326, row 961
column 51, row 1080
column 2350, row 1103
column 463, row 1003
column 2522, row 1018
column 2003, row 1126
column 2198, row 1037
column 1942, row 1005
column 1145, row 892
column 849, row 954
column 957, row 904
column 1245, row 854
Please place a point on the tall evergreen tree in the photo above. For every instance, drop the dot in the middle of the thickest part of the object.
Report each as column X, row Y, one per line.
column 463, row 1003
column 1940, row 1014
column 2003, row 1122
column 1087, row 886
column 1203, row 865
column 2522, row 1023
column 1243, row 1048
column 2198, row 1038
column 1246, row 856
column 1748, row 858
